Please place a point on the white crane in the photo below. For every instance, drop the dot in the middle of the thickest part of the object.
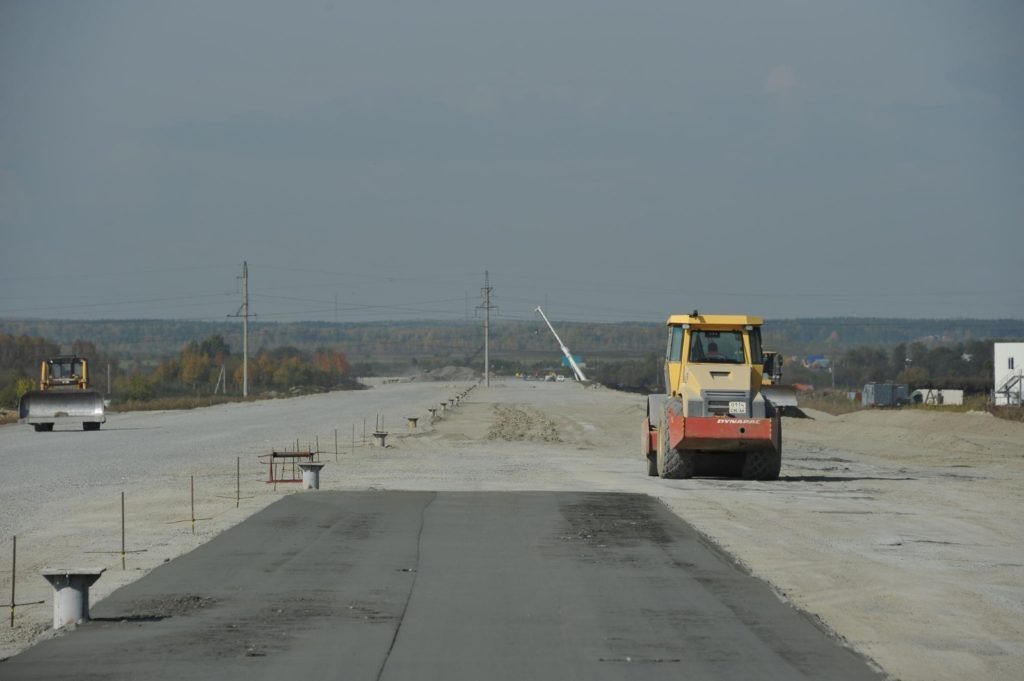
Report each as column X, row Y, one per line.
column 565, row 351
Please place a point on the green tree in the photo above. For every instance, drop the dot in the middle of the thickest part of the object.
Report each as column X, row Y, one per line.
column 195, row 369
column 216, row 348
column 139, row 388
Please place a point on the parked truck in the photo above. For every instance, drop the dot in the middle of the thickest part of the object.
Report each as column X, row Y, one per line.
column 717, row 416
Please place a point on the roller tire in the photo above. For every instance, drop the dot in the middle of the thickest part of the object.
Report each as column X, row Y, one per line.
column 762, row 465
column 674, row 464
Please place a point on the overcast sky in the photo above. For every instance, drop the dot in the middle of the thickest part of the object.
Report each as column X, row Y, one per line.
column 614, row 160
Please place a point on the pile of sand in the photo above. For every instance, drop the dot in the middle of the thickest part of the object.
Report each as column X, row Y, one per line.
column 449, row 373
column 518, row 422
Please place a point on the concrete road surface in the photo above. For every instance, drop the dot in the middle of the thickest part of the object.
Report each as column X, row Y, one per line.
column 450, row 585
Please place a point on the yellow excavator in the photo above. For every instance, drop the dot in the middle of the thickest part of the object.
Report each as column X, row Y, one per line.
column 63, row 396
column 717, row 416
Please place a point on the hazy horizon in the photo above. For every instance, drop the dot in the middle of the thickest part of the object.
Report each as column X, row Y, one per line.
column 607, row 161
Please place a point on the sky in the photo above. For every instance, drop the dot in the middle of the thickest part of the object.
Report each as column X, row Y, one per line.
column 608, row 161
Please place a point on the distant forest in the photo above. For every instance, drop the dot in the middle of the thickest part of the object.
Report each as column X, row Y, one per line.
column 150, row 341
column 154, row 358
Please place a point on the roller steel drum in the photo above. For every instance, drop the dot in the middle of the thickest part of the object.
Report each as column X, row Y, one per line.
column 59, row 406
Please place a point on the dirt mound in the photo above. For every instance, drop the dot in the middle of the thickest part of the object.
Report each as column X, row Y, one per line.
column 449, row 373
column 522, row 423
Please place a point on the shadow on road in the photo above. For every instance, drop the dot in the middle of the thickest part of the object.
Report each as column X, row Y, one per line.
column 831, row 478
column 130, row 618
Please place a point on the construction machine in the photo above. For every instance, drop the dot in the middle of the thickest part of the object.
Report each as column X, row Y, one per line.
column 714, row 418
column 570, row 360
column 63, row 396
column 782, row 396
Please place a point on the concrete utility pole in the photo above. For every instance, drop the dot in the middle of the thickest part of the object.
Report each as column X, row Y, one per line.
column 245, row 328
column 243, row 312
column 487, row 307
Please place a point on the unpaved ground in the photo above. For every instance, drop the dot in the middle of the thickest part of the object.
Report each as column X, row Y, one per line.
column 901, row 531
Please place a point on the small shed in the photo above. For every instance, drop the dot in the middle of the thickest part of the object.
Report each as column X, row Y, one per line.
column 937, row 397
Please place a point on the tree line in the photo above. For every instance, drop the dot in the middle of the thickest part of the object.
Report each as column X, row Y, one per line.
column 966, row 366
column 199, row 368
column 142, row 341
column 624, row 356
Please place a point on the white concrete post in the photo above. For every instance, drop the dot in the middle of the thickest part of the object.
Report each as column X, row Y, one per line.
column 310, row 475
column 71, row 593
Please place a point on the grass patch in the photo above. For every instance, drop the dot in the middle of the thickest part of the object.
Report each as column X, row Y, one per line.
column 1008, row 413
column 178, row 402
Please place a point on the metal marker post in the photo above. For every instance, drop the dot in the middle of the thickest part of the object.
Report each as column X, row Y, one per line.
column 14, row 579
column 14, row 573
column 238, row 480
column 335, row 445
column 122, row 532
column 192, row 490
column 353, row 439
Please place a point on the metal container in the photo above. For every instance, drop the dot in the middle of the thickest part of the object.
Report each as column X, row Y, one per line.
column 885, row 394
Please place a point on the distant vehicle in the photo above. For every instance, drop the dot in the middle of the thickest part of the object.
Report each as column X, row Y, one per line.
column 63, row 396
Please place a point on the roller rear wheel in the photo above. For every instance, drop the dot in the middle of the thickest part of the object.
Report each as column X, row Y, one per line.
column 763, row 465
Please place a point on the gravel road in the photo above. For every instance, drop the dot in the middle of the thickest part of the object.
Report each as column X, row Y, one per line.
column 901, row 532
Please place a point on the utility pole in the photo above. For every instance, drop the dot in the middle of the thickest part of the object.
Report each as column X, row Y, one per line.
column 486, row 306
column 245, row 328
column 243, row 312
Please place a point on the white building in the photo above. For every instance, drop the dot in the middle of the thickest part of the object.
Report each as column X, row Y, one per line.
column 934, row 396
column 1009, row 373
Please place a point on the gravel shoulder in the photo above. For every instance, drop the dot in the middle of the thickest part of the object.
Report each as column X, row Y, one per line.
column 901, row 532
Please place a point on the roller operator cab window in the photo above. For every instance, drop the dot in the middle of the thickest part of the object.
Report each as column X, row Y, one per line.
column 756, row 354
column 65, row 369
column 717, row 347
column 675, row 344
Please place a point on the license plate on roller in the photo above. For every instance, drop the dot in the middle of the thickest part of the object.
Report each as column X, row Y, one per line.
column 737, row 407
